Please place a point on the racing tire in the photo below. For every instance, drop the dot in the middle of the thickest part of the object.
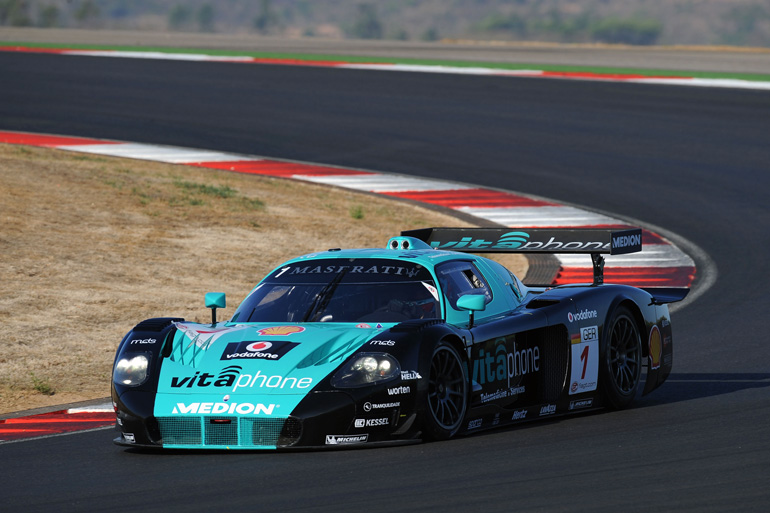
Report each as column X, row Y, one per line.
column 447, row 396
column 623, row 359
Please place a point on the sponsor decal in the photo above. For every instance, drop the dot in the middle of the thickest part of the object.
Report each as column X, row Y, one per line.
column 389, row 343
column 410, row 375
column 205, row 337
column 523, row 241
column 346, row 439
column 579, row 405
column 257, row 350
column 656, row 348
column 379, row 406
column 583, row 315
column 222, row 408
column 129, row 437
column 231, row 377
column 625, row 241
column 363, row 325
column 519, row 415
column 143, row 341
column 496, row 420
column 474, row 424
column 431, row 289
column 395, row 270
column 585, row 361
column 399, row 390
column 503, row 393
column 548, row 409
column 280, row 331
column 510, row 240
column 505, row 366
column 360, row 423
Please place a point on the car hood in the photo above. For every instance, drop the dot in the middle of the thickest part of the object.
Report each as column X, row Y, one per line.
column 258, row 358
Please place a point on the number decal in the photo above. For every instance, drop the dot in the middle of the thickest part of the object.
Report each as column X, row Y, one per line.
column 585, row 361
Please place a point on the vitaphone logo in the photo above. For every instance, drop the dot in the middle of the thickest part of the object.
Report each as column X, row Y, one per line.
column 503, row 365
column 231, row 377
column 510, row 240
column 582, row 315
column 514, row 240
column 260, row 349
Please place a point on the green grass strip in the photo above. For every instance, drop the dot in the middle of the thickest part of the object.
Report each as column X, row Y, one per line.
column 759, row 77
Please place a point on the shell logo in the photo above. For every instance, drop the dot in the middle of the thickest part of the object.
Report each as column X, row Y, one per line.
column 656, row 348
column 280, row 330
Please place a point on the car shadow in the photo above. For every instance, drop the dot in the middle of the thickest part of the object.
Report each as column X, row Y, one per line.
column 684, row 386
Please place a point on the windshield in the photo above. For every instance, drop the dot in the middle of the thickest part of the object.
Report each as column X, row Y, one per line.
column 343, row 290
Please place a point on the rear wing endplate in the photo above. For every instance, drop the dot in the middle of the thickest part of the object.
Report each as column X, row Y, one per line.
column 593, row 241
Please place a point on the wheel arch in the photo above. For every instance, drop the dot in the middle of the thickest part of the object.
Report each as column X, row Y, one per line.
column 636, row 313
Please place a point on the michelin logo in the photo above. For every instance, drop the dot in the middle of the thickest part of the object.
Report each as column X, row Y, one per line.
column 345, row 439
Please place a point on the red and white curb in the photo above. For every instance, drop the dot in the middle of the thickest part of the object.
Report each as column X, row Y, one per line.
column 417, row 68
column 660, row 263
column 57, row 423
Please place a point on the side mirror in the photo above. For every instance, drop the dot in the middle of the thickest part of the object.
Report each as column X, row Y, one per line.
column 472, row 303
column 215, row 300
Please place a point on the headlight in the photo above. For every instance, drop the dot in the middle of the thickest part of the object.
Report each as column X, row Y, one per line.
column 131, row 370
column 366, row 369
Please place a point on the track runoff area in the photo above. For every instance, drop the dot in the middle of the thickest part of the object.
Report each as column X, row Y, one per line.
column 660, row 263
column 675, row 78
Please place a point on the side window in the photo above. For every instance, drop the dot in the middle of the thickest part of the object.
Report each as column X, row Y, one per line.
column 507, row 278
column 459, row 278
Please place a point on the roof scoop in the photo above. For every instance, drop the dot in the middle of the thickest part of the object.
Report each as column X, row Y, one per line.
column 406, row 243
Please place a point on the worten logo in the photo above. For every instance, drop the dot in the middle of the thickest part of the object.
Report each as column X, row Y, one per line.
column 260, row 349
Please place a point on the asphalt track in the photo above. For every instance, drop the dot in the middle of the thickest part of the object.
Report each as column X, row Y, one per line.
column 693, row 161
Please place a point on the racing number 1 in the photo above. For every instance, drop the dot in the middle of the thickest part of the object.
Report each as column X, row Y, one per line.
column 584, row 359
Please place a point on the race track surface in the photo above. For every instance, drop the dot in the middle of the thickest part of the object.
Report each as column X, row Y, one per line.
column 692, row 161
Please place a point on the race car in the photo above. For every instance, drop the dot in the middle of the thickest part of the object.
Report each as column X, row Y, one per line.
column 424, row 339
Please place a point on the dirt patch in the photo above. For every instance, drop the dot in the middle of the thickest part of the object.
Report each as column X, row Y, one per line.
column 92, row 245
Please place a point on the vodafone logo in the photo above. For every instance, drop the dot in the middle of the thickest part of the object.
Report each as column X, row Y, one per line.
column 257, row 350
column 258, row 347
column 582, row 315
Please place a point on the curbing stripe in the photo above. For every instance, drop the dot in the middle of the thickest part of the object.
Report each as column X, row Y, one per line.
column 413, row 68
column 154, row 153
column 541, row 217
column 382, row 183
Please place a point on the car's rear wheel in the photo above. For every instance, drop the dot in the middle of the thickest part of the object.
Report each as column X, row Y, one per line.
column 623, row 359
column 447, row 399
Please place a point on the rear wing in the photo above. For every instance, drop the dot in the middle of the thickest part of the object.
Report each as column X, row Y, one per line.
column 592, row 241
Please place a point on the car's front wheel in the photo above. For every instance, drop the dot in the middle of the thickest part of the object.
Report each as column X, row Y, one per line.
column 447, row 398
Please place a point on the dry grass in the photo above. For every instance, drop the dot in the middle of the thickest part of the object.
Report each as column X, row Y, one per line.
column 91, row 245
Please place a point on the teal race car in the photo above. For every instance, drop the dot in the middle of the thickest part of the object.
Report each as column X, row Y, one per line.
column 421, row 340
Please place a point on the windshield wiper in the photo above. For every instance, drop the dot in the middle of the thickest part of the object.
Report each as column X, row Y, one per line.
column 321, row 300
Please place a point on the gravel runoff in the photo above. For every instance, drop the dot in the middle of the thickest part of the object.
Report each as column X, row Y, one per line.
column 722, row 59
